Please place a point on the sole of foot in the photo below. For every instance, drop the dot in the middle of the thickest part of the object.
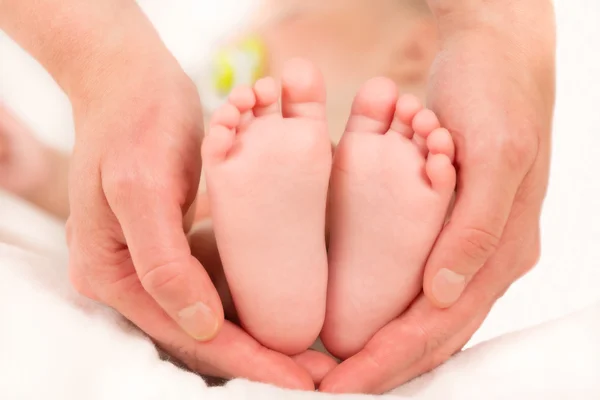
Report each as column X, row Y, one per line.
column 392, row 181
column 267, row 159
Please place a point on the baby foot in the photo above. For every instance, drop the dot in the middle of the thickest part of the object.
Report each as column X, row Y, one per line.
column 390, row 190
column 267, row 173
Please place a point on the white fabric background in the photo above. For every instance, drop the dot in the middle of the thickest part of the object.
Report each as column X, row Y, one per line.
column 567, row 278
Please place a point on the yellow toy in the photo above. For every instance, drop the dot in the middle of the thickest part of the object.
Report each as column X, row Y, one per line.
column 241, row 64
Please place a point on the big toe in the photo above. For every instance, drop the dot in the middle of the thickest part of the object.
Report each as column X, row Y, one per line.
column 374, row 106
column 303, row 90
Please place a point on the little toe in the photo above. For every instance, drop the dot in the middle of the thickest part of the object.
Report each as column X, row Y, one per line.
column 303, row 91
column 407, row 107
column 217, row 144
column 440, row 142
column 221, row 134
column 267, row 97
column 373, row 107
column 441, row 173
column 243, row 98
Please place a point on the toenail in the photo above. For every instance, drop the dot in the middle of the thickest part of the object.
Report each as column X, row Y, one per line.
column 199, row 321
column 447, row 286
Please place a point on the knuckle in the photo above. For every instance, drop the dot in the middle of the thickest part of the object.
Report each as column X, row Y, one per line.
column 372, row 358
column 414, row 346
column 134, row 169
column 477, row 243
column 124, row 180
column 416, row 333
column 437, row 340
column 131, row 184
column 192, row 357
column 119, row 184
column 163, row 279
column 516, row 152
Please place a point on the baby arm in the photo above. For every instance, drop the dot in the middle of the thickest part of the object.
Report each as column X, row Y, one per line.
column 30, row 169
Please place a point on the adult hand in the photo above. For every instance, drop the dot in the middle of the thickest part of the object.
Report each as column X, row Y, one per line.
column 493, row 87
column 134, row 175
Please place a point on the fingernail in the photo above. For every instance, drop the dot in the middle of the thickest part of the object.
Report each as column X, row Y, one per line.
column 199, row 321
column 447, row 286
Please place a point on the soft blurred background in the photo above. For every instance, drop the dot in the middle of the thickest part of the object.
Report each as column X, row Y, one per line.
column 568, row 275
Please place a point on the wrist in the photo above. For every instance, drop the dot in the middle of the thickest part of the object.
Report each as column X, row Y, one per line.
column 101, row 53
column 115, row 72
column 85, row 44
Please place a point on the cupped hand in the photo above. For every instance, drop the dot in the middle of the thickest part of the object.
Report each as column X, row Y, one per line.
column 134, row 176
column 493, row 87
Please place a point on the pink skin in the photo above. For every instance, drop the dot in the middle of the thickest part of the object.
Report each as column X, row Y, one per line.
column 391, row 185
column 23, row 159
column 246, row 105
column 267, row 172
column 498, row 102
column 30, row 169
column 134, row 105
column 478, row 78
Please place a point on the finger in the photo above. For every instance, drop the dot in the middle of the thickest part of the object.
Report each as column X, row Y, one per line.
column 447, row 350
column 406, row 348
column 152, row 224
column 232, row 353
column 317, row 364
column 203, row 245
column 94, row 252
column 390, row 352
column 483, row 205
column 78, row 270
column 426, row 336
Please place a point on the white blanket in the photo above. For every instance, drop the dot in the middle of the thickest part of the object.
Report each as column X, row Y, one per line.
column 55, row 345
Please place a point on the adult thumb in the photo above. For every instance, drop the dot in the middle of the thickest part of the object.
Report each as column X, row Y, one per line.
column 154, row 232
column 472, row 235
